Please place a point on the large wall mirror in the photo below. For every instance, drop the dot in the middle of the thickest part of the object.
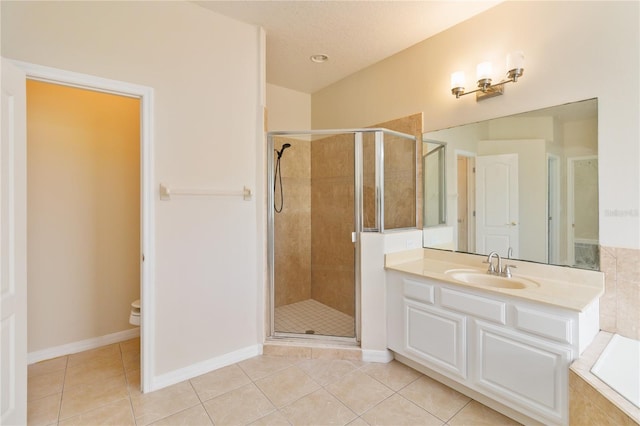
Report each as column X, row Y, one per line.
column 525, row 186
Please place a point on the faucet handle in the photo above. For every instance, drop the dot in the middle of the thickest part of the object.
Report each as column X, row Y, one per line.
column 506, row 271
column 491, row 269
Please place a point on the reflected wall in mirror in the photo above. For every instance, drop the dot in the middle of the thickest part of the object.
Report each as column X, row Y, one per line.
column 434, row 185
column 525, row 185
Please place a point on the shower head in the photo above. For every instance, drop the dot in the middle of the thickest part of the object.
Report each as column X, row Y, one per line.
column 285, row 146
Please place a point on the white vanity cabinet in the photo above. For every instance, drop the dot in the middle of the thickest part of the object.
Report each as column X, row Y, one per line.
column 514, row 351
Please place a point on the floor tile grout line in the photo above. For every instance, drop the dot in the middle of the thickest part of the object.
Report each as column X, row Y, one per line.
column 127, row 384
column 345, row 404
column 201, row 401
column 279, row 409
column 421, row 408
column 64, row 382
column 394, row 392
column 275, row 407
column 458, row 412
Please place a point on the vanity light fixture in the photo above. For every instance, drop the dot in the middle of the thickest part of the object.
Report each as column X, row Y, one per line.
column 515, row 67
column 318, row 59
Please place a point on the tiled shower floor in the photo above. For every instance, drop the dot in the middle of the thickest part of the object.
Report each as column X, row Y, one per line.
column 311, row 315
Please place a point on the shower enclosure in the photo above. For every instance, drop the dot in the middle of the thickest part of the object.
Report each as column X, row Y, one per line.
column 324, row 190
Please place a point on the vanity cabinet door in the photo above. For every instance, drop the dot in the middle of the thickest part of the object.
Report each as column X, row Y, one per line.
column 436, row 336
column 524, row 370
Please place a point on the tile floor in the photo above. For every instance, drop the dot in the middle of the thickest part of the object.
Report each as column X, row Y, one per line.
column 101, row 386
column 310, row 314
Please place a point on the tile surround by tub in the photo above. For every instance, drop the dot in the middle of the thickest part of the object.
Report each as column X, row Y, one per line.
column 620, row 304
column 590, row 399
column 329, row 386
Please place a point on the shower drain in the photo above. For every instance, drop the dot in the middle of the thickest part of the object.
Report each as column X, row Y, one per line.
column 310, row 332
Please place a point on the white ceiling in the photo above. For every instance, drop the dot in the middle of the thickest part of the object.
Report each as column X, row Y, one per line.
column 354, row 34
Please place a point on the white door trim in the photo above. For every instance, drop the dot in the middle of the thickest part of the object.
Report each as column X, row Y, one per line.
column 13, row 247
column 471, row 198
column 147, row 228
column 553, row 208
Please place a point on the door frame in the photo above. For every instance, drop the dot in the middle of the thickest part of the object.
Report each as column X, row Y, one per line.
column 471, row 198
column 147, row 228
column 355, row 235
column 553, row 208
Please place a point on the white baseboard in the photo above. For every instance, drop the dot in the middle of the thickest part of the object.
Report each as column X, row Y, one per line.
column 82, row 345
column 384, row 356
column 191, row 371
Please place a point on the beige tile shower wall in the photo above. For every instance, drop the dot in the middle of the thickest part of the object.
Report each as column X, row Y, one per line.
column 399, row 183
column 403, row 172
column 332, row 170
column 620, row 304
column 332, row 256
column 292, row 226
column 369, row 181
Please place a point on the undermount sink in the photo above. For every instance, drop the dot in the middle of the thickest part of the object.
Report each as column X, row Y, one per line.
column 487, row 280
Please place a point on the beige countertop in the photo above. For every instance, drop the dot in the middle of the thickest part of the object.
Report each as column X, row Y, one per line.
column 570, row 288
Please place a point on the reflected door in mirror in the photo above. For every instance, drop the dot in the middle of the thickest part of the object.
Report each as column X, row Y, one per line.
column 497, row 204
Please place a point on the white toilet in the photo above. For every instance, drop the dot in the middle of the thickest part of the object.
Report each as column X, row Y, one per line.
column 134, row 316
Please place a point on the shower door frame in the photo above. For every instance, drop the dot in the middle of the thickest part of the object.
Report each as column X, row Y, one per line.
column 358, row 205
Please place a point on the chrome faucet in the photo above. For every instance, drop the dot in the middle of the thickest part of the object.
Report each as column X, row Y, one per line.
column 492, row 269
column 497, row 269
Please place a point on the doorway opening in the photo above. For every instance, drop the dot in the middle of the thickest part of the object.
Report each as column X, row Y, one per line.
column 553, row 209
column 466, row 202
column 582, row 194
column 83, row 216
column 146, row 255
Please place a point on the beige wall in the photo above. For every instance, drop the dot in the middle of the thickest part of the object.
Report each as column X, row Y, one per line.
column 83, row 210
column 287, row 109
column 207, row 72
column 571, row 50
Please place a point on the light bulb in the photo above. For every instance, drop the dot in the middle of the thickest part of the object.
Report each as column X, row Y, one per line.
column 515, row 65
column 457, row 79
column 515, row 60
column 483, row 71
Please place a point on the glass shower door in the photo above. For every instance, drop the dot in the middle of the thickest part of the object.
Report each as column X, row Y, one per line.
column 314, row 257
column 326, row 187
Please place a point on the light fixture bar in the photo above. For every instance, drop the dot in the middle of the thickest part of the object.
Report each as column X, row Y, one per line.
column 486, row 89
